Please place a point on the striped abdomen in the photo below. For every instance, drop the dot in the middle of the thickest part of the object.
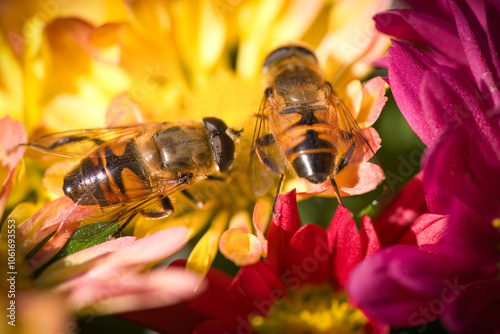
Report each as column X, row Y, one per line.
column 306, row 139
column 111, row 176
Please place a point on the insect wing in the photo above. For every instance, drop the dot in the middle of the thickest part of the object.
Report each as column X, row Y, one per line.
column 352, row 143
column 82, row 143
column 266, row 159
column 151, row 204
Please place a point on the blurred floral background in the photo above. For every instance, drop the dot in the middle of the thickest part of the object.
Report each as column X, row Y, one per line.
column 418, row 254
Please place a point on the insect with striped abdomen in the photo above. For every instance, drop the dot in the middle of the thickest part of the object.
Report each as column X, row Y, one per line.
column 302, row 123
column 132, row 170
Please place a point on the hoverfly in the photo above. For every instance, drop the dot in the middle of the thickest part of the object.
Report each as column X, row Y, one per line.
column 301, row 123
column 132, row 170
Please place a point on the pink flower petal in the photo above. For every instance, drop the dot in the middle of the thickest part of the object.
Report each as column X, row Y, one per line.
column 150, row 249
column 77, row 263
column 119, row 292
column 13, row 133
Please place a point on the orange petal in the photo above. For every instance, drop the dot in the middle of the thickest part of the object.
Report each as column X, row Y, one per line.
column 261, row 218
column 240, row 247
column 356, row 180
column 373, row 101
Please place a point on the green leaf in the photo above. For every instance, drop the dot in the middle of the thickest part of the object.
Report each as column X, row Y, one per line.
column 87, row 236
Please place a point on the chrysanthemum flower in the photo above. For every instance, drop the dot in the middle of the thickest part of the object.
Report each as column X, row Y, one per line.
column 298, row 288
column 181, row 60
column 450, row 97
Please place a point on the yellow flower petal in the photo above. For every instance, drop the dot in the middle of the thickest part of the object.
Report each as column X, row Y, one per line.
column 11, row 82
column 203, row 254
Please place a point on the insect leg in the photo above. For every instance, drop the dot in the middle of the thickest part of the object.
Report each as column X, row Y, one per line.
column 164, row 210
column 337, row 194
column 116, row 233
column 278, row 191
column 214, row 178
column 199, row 204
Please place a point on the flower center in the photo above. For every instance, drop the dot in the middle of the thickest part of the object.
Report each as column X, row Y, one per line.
column 312, row 310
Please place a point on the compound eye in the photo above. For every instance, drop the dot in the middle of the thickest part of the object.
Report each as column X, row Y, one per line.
column 224, row 150
column 285, row 52
column 222, row 143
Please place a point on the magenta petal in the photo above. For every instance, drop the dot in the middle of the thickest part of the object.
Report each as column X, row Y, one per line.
column 406, row 69
column 395, row 283
column 476, row 48
column 427, row 229
column 423, row 29
column 471, row 241
column 308, row 259
column 450, row 101
column 493, row 34
column 476, row 309
column 257, row 287
column 281, row 230
column 441, row 184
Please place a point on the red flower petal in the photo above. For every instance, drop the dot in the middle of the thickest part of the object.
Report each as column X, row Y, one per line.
column 178, row 319
column 345, row 240
column 398, row 217
column 216, row 302
column 369, row 237
column 224, row 326
column 281, row 231
column 308, row 259
column 258, row 288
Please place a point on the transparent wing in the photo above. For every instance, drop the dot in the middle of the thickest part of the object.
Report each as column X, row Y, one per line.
column 154, row 205
column 82, row 143
column 353, row 146
column 266, row 160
